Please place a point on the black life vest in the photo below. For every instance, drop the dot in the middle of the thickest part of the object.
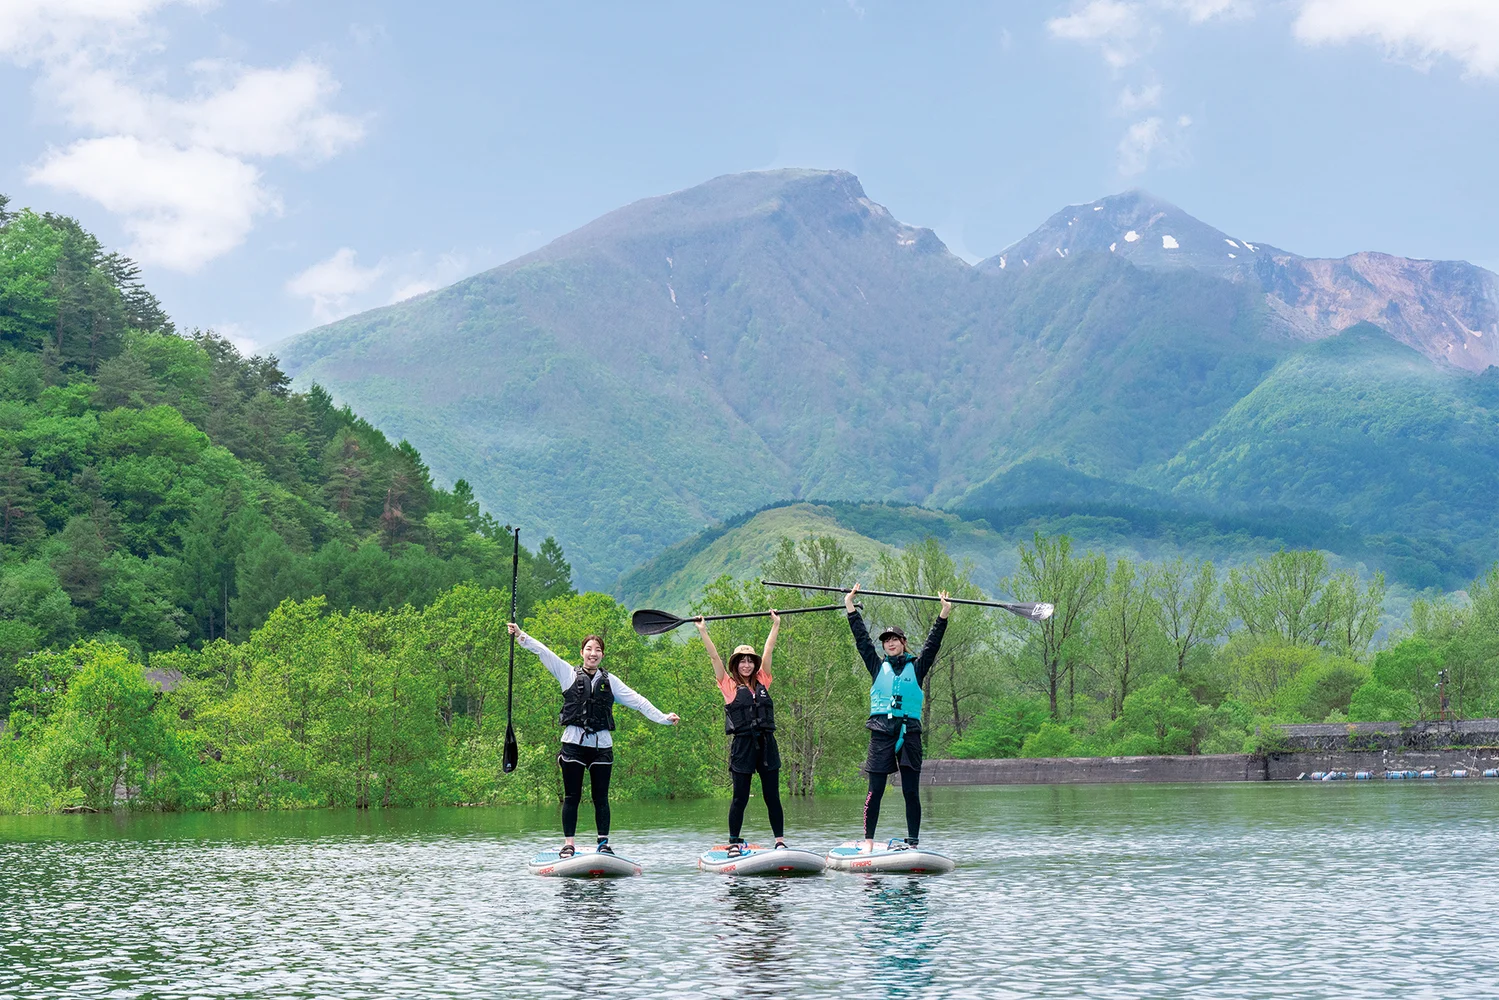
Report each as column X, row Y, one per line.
column 588, row 706
column 750, row 711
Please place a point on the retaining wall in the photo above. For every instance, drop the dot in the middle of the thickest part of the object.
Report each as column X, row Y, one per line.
column 1392, row 735
column 1205, row 767
column 1287, row 766
column 1081, row 770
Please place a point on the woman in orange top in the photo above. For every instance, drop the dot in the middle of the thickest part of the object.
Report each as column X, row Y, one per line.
column 749, row 717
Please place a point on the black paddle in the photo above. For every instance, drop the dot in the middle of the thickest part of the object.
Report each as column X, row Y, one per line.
column 512, row 749
column 648, row 622
column 1035, row 612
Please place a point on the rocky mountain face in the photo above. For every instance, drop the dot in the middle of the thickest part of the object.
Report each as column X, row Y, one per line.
column 1446, row 310
column 778, row 335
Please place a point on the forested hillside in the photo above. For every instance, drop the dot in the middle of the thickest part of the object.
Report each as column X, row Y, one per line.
column 158, row 489
column 778, row 336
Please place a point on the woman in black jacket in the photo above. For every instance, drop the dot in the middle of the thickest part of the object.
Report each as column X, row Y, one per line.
column 895, row 699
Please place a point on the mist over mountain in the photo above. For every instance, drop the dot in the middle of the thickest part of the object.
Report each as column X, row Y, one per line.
column 778, row 336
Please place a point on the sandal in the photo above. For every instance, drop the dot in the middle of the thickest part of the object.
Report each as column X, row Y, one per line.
column 781, row 845
column 736, row 850
column 568, row 850
column 605, row 849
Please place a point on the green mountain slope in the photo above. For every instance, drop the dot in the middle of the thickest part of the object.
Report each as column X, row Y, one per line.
column 987, row 541
column 778, row 335
column 1369, row 432
column 161, row 490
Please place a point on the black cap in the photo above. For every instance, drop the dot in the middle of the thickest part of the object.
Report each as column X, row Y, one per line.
column 894, row 630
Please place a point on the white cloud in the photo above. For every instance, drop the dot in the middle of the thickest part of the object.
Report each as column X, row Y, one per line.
column 340, row 286
column 181, row 206
column 1418, row 31
column 333, row 283
column 1113, row 25
column 1132, row 100
column 180, row 171
column 31, row 30
column 1142, row 139
column 1151, row 142
column 1198, row 11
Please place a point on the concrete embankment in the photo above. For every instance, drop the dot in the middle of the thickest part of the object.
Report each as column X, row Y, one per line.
column 1375, row 747
column 1205, row 767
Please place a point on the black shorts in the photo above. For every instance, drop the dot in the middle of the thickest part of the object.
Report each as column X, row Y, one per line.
column 751, row 752
column 882, row 757
column 577, row 753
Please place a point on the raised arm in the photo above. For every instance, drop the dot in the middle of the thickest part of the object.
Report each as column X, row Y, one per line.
column 933, row 644
column 770, row 645
column 556, row 665
column 702, row 630
column 862, row 642
column 631, row 698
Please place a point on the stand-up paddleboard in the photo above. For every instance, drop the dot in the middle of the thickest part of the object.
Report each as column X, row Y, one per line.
column 851, row 857
column 763, row 861
column 584, row 864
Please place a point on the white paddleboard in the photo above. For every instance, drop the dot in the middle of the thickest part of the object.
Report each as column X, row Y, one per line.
column 763, row 861
column 851, row 857
column 584, row 864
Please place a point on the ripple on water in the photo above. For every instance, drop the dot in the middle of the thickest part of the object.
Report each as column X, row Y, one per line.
column 1100, row 891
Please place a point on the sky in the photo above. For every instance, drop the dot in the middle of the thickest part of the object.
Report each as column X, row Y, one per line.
column 277, row 164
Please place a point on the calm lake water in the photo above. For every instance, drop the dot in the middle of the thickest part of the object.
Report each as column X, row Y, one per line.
column 1253, row 890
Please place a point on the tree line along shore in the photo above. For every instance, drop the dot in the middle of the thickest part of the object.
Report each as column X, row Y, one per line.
column 217, row 593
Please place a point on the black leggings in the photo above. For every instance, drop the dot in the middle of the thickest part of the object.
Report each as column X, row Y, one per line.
column 910, row 787
column 770, row 789
column 572, row 794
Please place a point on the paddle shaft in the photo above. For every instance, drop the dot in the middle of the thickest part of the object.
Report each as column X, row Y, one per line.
column 764, row 614
column 514, row 579
column 886, row 593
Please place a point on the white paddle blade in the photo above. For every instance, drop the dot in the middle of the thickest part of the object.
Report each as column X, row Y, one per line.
column 1044, row 611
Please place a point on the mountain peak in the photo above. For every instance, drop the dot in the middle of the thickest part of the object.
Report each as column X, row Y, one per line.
column 790, row 199
column 1145, row 230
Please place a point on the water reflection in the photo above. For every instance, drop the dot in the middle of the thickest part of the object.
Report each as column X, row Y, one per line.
column 588, row 916
column 900, row 938
column 1130, row 893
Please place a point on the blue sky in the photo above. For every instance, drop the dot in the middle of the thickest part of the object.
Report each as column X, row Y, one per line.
column 277, row 163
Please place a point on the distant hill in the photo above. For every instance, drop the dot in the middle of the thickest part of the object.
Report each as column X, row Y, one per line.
column 773, row 336
column 988, row 541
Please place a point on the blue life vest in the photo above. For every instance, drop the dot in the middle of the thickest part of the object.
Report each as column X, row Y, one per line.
column 896, row 695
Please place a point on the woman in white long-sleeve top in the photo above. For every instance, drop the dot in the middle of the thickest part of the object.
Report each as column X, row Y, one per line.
column 588, row 697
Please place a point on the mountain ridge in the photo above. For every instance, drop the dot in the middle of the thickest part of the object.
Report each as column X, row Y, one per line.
column 773, row 336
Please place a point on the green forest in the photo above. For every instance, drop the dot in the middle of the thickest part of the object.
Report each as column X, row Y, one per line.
column 217, row 593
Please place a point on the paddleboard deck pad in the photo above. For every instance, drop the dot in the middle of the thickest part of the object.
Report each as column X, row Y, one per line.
column 584, row 864
column 763, row 861
column 850, row 857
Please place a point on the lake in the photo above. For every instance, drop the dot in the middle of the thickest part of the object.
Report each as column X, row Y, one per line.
column 1243, row 890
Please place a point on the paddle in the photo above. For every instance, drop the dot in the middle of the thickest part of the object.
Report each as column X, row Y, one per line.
column 1035, row 612
column 649, row 622
column 512, row 750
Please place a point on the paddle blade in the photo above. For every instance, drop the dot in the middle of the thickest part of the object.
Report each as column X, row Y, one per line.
column 648, row 622
column 1035, row 612
column 511, row 755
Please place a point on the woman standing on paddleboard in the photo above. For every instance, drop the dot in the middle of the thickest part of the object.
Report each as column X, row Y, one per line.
column 588, row 698
column 750, row 717
column 894, row 715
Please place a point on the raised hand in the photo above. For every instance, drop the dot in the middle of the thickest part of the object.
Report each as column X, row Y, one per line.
column 946, row 604
column 514, row 630
column 848, row 599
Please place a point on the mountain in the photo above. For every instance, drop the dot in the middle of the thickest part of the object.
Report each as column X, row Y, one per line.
column 778, row 336
column 1447, row 310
